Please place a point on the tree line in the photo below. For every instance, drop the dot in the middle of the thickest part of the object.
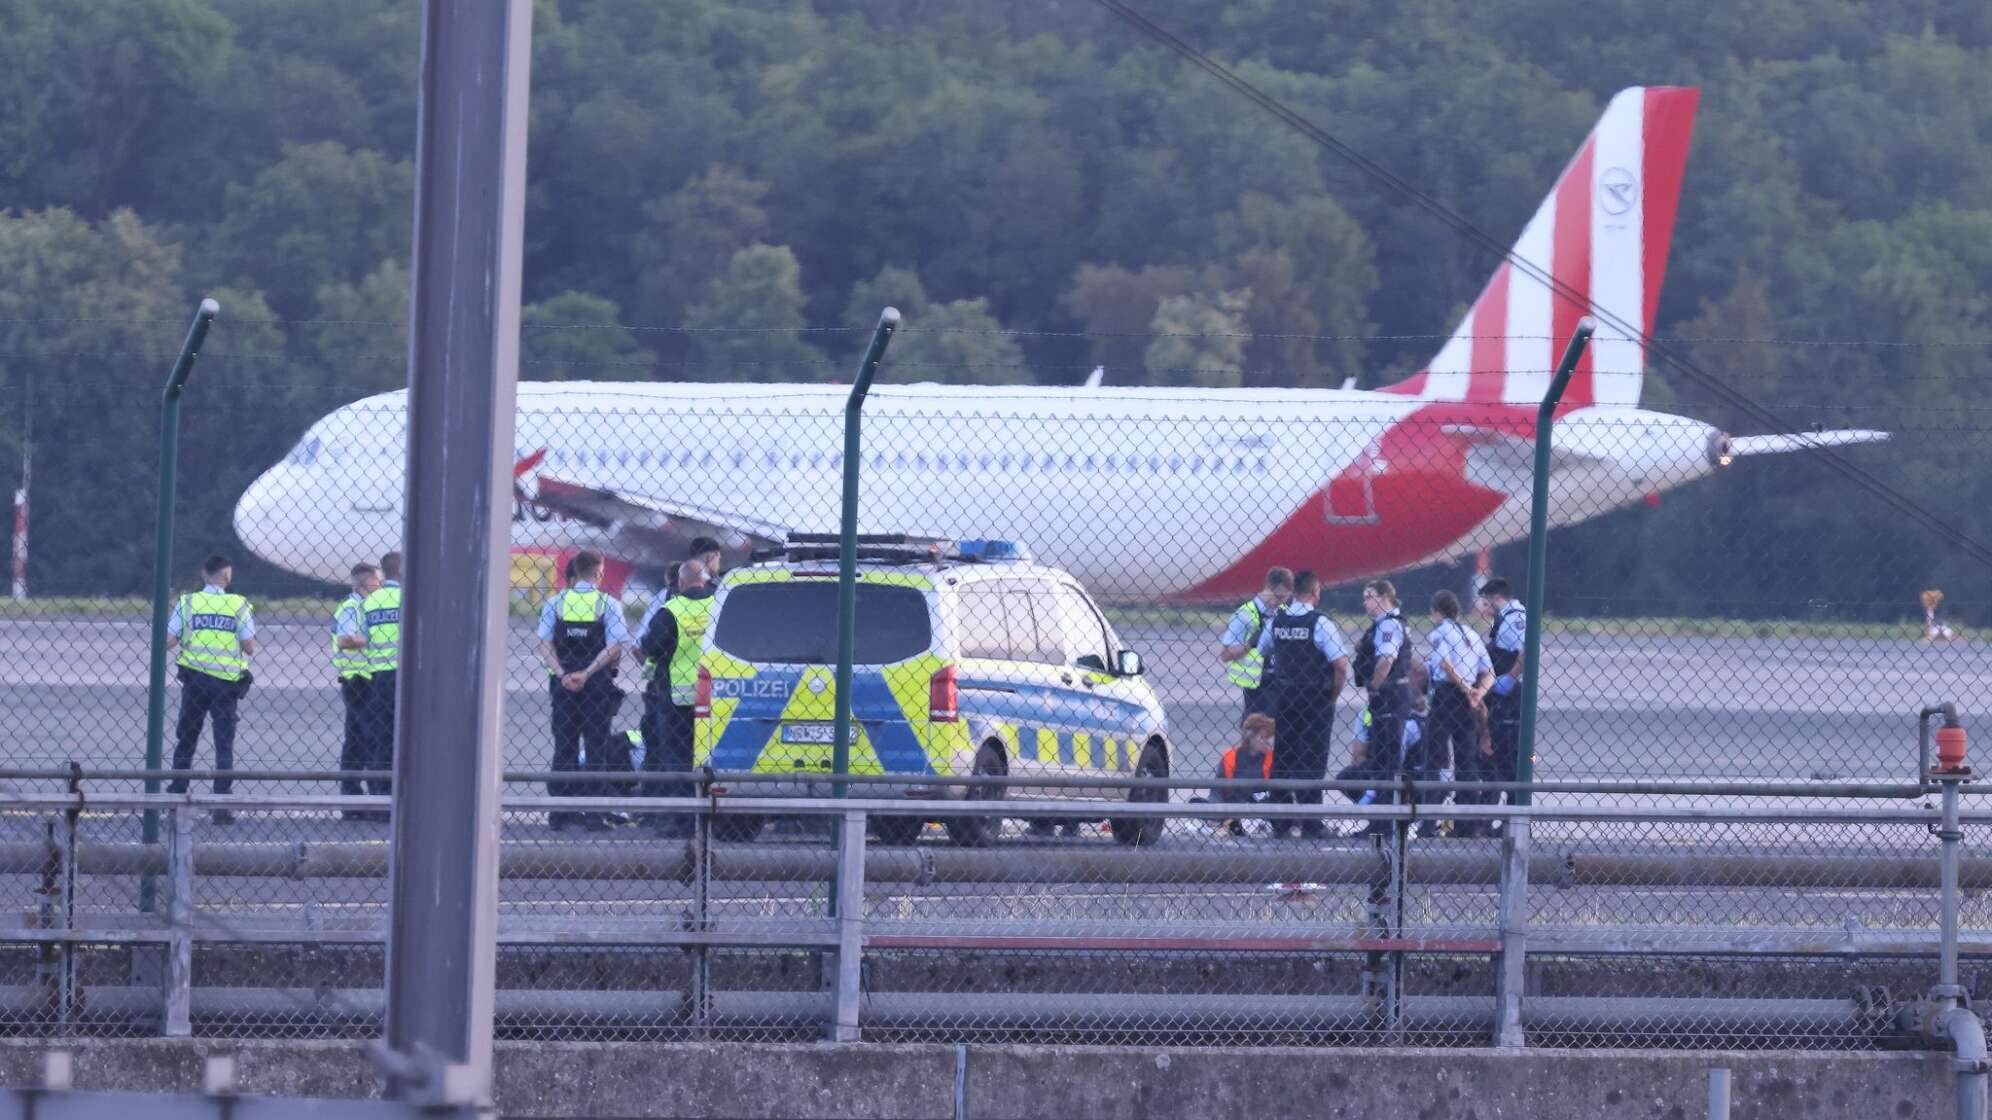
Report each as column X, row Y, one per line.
column 729, row 191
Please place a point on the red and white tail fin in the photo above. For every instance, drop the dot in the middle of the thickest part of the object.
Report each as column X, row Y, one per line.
column 1603, row 233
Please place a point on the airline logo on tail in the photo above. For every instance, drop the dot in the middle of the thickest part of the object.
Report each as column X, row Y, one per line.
column 1596, row 246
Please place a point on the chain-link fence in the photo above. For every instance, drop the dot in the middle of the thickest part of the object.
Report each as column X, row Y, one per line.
column 1790, row 921
column 1072, row 595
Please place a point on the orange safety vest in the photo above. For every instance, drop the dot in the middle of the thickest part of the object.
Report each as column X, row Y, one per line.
column 1230, row 764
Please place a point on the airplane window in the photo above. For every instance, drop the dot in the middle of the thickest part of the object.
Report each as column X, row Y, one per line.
column 1175, row 463
column 1092, row 462
column 1070, row 462
column 920, row 460
column 1004, row 462
column 985, row 460
column 1155, row 464
column 739, row 458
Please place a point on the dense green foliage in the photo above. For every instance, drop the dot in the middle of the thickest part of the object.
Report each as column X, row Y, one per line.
column 1031, row 165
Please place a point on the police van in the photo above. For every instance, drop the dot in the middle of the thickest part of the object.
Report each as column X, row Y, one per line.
column 970, row 659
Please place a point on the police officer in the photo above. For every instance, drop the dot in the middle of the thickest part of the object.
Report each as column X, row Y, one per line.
column 1310, row 666
column 1499, row 759
column 1461, row 674
column 215, row 631
column 1239, row 648
column 1382, row 669
column 380, row 614
column 581, row 637
column 349, row 661
column 671, row 645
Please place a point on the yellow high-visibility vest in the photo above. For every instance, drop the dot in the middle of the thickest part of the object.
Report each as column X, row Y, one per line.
column 209, row 641
column 381, row 618
column 350, row 663
column 1247, row 670
column 693, row 616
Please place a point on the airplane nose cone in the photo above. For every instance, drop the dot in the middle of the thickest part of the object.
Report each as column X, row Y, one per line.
column 255, row 521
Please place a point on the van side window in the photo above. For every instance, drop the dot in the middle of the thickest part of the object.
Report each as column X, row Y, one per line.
column 1084, row 632
column 981, row 622
column 1047, row 637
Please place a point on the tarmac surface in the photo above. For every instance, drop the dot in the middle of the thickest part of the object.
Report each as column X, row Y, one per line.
column 1611, row 707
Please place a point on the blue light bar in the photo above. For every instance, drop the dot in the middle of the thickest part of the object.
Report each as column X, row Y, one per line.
column 988, row 550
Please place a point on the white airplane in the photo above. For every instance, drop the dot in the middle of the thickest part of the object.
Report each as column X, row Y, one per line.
column 1142, row 493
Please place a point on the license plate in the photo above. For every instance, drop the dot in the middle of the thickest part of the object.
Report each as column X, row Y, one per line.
column 809, row 733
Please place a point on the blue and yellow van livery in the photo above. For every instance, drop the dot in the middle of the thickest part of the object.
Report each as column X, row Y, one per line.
column 962, row 666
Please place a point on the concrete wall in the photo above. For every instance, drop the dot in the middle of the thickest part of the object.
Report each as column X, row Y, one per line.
column 1110, row 1083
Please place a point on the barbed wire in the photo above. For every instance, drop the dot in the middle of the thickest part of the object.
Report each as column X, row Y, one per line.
column 913, row 327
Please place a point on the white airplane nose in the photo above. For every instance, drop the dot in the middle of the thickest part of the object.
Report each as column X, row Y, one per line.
column 255, row 515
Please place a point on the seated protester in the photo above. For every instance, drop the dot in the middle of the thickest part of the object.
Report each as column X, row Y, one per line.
column 1251, row 758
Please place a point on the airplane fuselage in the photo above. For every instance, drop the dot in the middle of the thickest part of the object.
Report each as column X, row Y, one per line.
column 1141, row 493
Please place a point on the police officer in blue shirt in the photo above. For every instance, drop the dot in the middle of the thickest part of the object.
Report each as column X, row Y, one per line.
column 355, row 670
column 582, row 634
column 214, row 630
column 1238, row 650
column 1310, row 667
column 1461, row 674
column 1502, row 759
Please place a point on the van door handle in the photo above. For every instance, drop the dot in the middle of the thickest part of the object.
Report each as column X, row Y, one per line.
column 1066, row 677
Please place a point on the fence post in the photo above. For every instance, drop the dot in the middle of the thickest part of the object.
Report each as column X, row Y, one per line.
column 1511, row 975
column 850, row 926
column 847, row 561
column 701, row 985
column 1539, row 549
column 178, row 979
column 162, row 565
column 68, row 991
column 1718, row 1094
column 847, row 546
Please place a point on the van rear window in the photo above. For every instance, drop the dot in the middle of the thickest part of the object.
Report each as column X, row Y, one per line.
column 796, row 623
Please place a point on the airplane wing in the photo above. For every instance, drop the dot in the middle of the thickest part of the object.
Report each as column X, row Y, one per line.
column 653, row 529
column 1740, row 446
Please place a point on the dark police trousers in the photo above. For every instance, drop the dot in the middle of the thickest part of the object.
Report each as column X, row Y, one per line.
column 1263, row 700
column 585, row 717
column 356, row 748
column 211, row 698
column 1386, row 744
column 380, row 728
column 1504, row 726
column 1452, row 735
column 667, row 744
column 1302, row 734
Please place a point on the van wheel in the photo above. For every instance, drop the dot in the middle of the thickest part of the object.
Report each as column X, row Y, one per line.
column 1154, row 763
column 977, row 832
column 737, row 829
column 898, row 831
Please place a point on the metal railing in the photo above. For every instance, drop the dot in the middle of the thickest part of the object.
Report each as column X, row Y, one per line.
column 1205, row 935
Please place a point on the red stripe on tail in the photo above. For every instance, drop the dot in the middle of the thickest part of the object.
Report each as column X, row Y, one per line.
column 1670, row 121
